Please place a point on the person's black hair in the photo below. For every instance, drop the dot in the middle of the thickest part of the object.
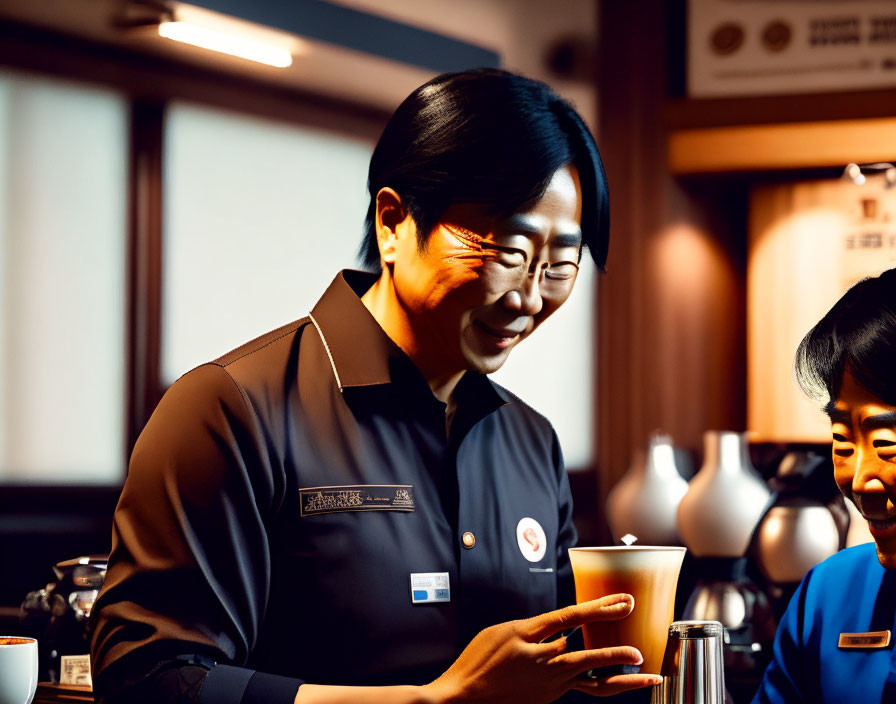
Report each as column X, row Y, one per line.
column 858, row 334
column 484, row 136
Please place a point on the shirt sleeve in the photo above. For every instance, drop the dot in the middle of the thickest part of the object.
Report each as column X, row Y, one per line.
column 189, row 569
column 784, row 679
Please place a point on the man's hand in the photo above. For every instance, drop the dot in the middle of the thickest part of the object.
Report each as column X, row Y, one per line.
column 510, row 662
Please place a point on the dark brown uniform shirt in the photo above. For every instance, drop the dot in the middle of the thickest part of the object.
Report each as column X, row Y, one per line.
column 283, row 502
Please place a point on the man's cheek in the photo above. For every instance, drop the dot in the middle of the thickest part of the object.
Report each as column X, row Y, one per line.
column 846, row 489
column 465, row 259
column 460, row 269
column 552, row 301
column 842, row 474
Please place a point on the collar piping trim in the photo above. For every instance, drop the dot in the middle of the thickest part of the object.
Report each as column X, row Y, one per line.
column 329, row 353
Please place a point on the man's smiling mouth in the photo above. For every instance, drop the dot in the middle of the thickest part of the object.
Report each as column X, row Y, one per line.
column 881, row 523
column 501, row 333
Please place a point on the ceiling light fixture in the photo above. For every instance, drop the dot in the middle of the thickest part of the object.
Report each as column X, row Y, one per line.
column 226, row 43
column 209, row 30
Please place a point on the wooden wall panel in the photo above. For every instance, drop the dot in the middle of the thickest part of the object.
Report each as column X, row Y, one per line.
column 799, row 145
column 804, row 254
column 671, row 326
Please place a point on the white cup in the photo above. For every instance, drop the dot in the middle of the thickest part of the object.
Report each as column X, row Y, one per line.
column 18, row 669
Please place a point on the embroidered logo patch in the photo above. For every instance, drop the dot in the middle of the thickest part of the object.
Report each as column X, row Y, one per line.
column 531, row 539
column 357, row 497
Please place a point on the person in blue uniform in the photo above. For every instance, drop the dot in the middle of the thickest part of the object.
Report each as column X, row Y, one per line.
column 348, row 509
column 835, row 641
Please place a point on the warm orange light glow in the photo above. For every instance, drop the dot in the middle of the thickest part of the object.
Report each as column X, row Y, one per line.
column 689, row 263
column 226, row 43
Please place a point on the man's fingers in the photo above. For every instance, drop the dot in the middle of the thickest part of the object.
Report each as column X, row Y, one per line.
column 607, row 608
column 582, row 660
column 547, row 652
column 615, row 684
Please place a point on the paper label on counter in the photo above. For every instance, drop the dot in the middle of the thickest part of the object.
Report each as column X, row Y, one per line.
column 75, row 669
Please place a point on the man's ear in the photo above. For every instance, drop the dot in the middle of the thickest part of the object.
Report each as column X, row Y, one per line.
column 390, row 215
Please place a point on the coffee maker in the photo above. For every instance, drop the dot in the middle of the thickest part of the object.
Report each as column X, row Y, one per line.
column 57, row 615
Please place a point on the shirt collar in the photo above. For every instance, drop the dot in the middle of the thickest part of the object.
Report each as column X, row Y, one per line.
column 358, row 348
column 360, row 352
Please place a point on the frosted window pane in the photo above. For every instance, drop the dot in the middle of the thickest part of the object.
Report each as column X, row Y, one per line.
column 63, row 179
column 259, row 217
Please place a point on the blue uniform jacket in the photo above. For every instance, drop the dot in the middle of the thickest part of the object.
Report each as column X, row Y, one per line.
column 847, row 593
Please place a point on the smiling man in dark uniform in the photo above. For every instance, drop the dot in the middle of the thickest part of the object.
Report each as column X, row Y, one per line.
column 347, row 509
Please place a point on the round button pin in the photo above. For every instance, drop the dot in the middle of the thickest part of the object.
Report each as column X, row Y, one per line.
column 468, row 539
column 531, row 539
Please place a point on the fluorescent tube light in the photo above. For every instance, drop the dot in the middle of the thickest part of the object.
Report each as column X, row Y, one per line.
column 226, row 43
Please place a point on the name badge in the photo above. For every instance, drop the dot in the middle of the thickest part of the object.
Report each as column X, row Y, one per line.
column 867, row 641
column 357, row 497
column 430, row 588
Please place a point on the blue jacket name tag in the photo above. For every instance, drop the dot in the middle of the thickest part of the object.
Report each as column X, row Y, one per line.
column 430, row 587
column 865, row 641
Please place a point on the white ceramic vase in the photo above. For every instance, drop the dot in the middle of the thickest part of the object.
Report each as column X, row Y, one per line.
column 645, row 501
column 724, row 500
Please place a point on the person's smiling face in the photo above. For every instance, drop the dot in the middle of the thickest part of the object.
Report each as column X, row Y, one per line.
column 484, row 283
column 864, row 453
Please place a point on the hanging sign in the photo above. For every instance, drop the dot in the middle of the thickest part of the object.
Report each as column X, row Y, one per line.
column 756, row 47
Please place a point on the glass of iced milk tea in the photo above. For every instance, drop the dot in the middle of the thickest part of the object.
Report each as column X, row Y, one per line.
column 650, row 575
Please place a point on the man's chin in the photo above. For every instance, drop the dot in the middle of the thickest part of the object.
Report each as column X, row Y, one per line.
column 886, row 557
column 482, row 364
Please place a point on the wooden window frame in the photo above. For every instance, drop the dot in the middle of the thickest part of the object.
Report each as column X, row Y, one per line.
column 150, row 83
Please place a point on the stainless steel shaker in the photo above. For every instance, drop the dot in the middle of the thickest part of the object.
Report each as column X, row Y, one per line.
column 693, row 668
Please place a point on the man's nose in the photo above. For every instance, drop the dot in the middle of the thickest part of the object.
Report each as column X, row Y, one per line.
column 530, row 293
column 866, row 478
column 524, row 294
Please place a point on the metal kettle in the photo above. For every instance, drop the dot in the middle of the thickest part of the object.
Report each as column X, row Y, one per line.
column 805, row 522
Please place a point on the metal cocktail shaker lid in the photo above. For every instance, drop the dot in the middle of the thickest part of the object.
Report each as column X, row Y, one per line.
column 693, row 668
column 686, row 630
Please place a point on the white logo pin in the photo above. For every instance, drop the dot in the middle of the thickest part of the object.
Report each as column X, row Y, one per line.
column 531, row 539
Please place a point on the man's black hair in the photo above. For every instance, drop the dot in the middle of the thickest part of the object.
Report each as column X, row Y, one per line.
column 858, row 334
column 484, row 136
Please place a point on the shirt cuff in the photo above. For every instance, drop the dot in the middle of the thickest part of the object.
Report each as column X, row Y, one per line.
column 264, row 688
column 226, row 684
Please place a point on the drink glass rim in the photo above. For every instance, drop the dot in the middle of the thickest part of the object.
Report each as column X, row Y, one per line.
column 630, row 548
column 28, row 640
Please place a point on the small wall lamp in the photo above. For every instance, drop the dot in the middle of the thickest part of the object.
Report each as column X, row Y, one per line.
column 856, row 173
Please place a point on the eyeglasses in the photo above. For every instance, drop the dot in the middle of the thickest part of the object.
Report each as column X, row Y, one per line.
column 510, row 265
